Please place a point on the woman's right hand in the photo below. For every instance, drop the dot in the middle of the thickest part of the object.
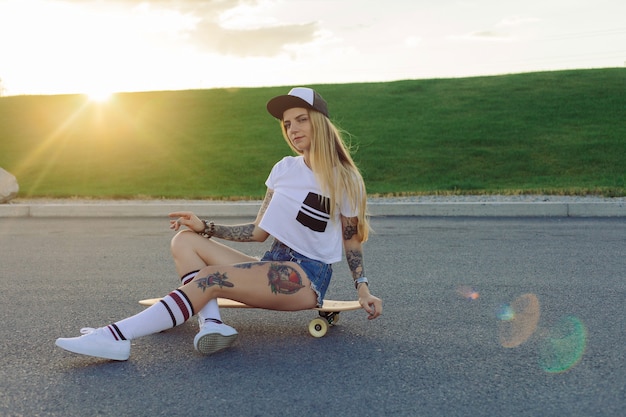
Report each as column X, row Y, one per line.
column 187, row 219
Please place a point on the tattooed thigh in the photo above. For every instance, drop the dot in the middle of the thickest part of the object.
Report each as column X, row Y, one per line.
column 215, row 278
column 248, row 265
column 284, row 279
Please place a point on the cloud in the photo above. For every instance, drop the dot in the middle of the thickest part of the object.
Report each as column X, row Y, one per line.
column 264, row 41
column 412, row 41
column 484, row 36
column 499, row 33
column 205, row 9
column 237, row 28
column 211, row 33
column 517, row 21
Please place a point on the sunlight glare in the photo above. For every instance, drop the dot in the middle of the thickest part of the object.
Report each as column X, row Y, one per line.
column 99, row 96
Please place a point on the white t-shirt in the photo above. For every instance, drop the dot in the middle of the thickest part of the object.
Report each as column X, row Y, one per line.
column 296, row 215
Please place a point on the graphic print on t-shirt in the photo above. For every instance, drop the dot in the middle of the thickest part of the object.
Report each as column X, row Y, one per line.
column 314, row 212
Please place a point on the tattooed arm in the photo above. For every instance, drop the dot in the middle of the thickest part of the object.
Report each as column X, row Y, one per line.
column 353, row 248
column 250, row 232
column 246, row 232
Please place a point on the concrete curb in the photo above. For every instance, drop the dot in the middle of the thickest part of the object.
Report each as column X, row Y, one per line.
column 250, row 209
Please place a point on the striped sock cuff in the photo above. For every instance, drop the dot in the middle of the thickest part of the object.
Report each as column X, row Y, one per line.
column 116, row 332
column 186, row 279
column 178, row 306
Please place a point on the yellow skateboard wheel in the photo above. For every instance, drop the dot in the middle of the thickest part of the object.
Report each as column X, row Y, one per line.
column 318, row 327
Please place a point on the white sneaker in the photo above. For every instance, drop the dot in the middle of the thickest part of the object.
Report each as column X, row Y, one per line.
column 96, row 342
column 214, row 336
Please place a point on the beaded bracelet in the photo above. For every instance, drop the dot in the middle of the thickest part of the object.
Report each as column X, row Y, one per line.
column 209, row 229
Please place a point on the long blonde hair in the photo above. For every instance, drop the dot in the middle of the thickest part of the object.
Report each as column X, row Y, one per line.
column 335, row 170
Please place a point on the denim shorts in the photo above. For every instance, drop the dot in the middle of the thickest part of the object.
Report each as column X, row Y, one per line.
column 317, row 272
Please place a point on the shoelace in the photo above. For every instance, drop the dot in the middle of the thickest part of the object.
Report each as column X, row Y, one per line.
column 87, row 330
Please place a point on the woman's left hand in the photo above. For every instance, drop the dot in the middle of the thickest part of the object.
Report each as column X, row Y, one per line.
column 185, row 218
column 372, row 305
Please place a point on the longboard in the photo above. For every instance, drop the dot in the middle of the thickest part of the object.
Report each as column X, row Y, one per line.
column 328, row 312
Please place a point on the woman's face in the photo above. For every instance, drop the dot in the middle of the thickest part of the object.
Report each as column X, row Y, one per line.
column 297, row 124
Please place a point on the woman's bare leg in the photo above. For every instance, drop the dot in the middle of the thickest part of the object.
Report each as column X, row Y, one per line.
column 192, row 252
column 271, row 285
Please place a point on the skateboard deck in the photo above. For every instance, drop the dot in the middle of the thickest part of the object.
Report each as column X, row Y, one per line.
column 328, row 313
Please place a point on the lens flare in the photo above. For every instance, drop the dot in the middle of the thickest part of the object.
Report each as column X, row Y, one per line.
column 505, row 312
column 518, row 320
column 467, row 292
column 563, row 345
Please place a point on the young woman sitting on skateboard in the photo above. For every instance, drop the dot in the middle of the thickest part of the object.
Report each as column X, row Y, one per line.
column 314, row 207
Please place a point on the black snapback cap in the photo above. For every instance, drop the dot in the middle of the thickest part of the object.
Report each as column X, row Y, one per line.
column 297, row 97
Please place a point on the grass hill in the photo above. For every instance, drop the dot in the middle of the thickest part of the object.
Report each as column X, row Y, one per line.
column 560, row 132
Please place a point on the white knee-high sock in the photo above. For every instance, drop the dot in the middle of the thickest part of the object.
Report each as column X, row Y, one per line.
column 211, row 310
column 174, row 309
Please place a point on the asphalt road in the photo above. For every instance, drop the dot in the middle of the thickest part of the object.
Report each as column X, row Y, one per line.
column 437, row 351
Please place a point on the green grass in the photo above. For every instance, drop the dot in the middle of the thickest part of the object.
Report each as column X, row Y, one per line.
column 558, row 132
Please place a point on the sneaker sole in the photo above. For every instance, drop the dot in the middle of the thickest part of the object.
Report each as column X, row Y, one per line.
column 118, row 354
column 214, row 342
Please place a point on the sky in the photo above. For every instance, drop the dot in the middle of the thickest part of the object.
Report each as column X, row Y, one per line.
column 99, row 47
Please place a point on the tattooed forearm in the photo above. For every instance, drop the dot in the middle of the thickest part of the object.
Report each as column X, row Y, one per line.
column 213, row 279
column 239, row 233
column 355, row 262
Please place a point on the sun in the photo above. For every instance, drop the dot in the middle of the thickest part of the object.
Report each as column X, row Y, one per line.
column 99, row 95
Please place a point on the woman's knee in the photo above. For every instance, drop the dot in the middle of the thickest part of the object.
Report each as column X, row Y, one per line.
column 182, row 242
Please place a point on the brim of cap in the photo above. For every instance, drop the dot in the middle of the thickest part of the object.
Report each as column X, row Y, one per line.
column 277, row 106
